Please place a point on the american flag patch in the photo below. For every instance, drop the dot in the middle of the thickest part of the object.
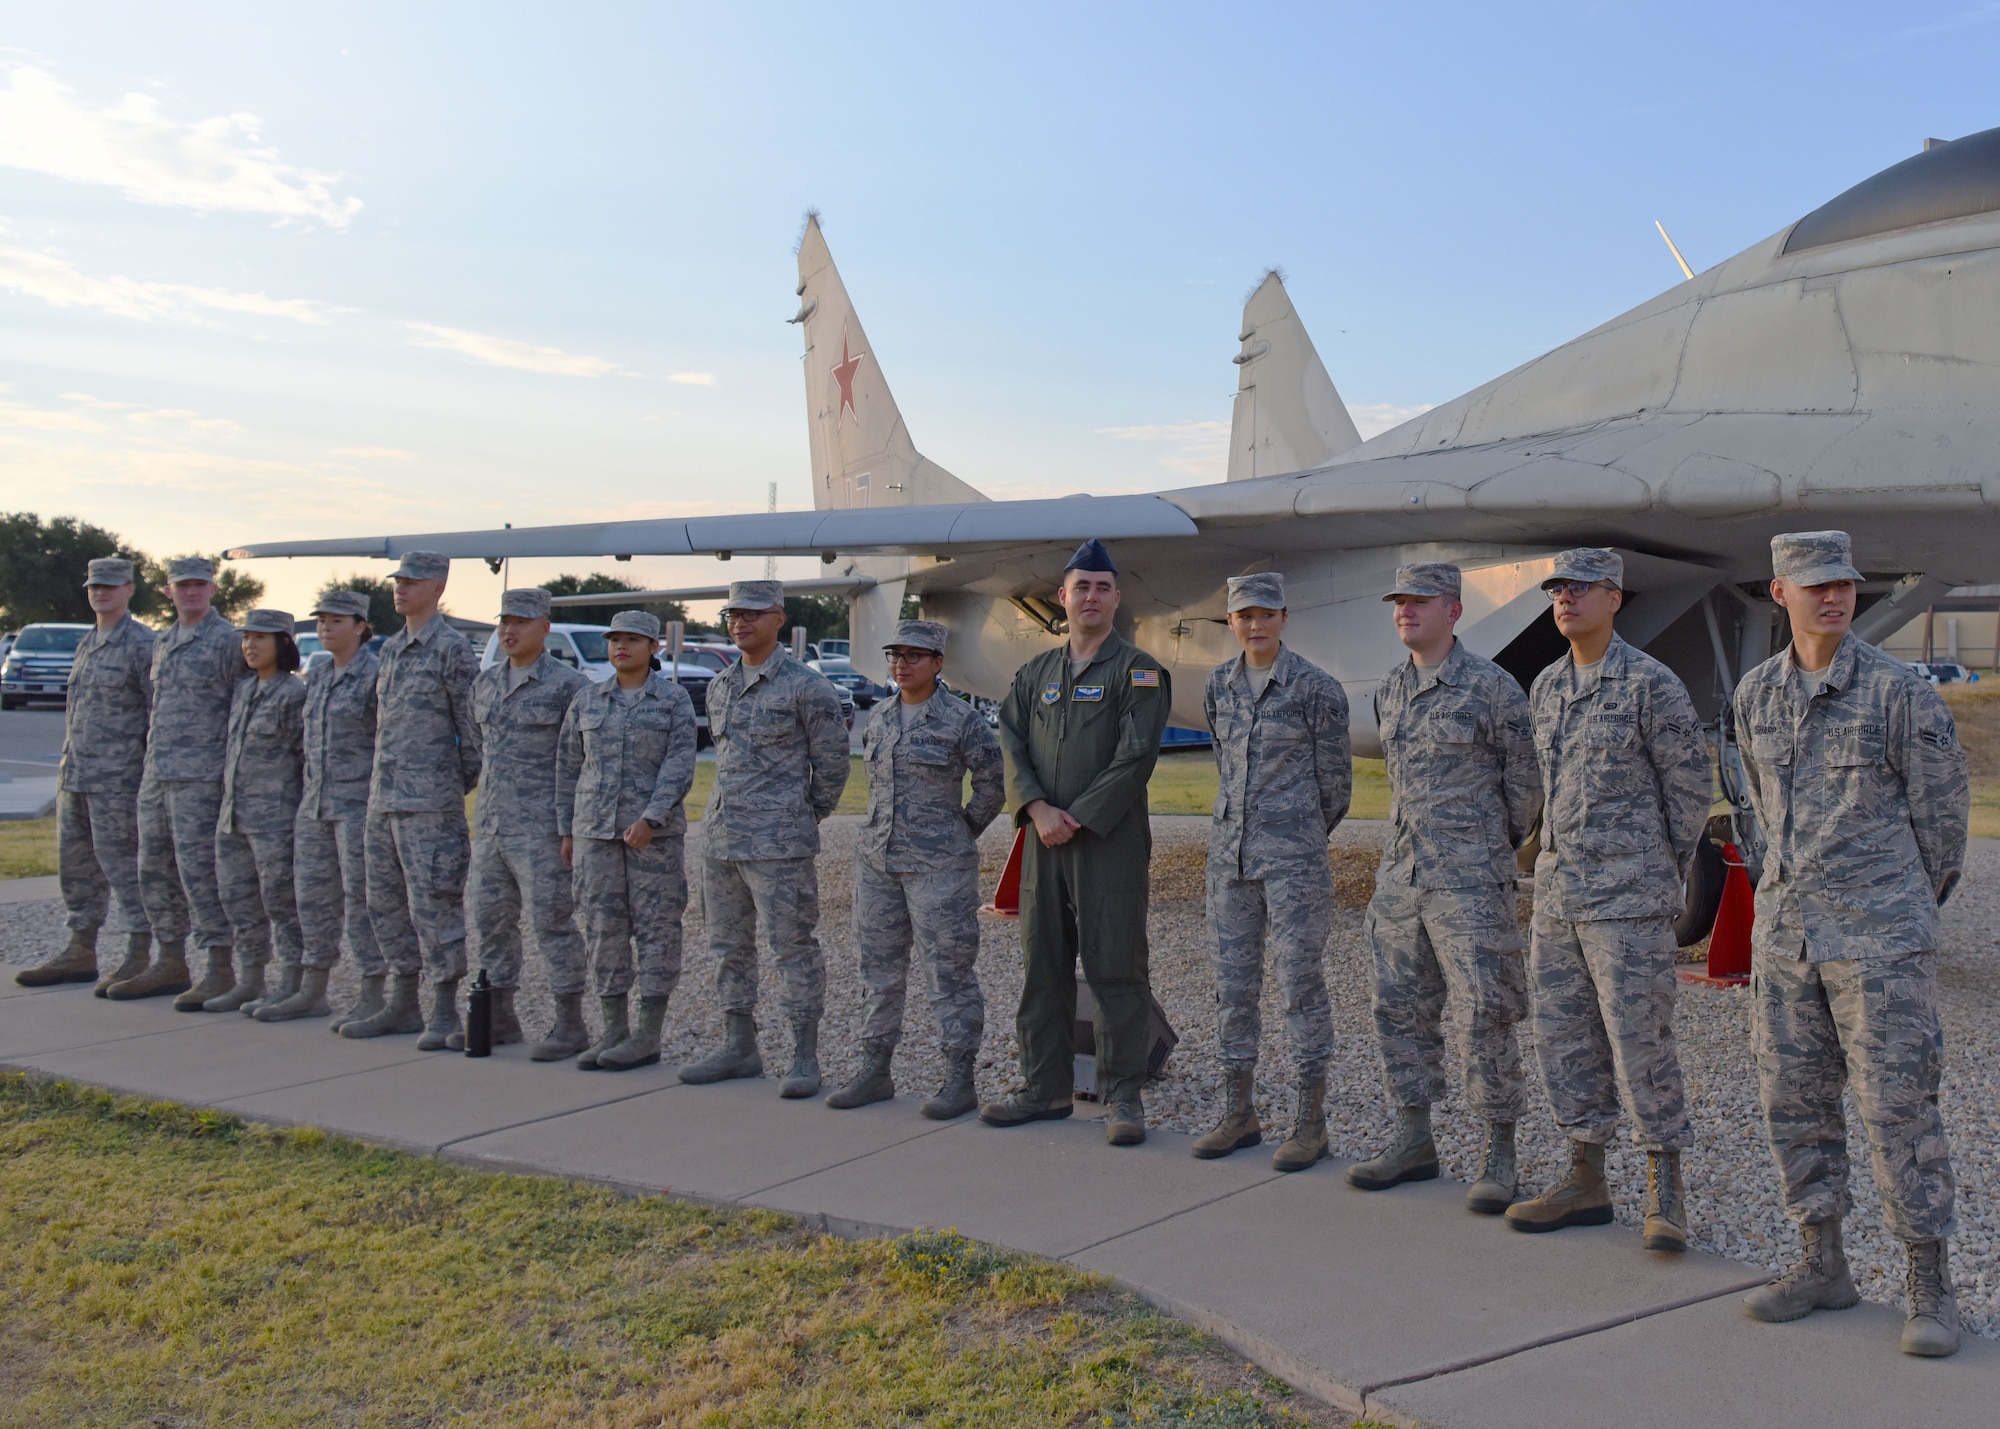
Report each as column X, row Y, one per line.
column 1145, row 679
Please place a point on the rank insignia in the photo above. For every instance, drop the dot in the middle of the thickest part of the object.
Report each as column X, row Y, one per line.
column 1051, row 692
column 1088, row 693
column 1145, row 679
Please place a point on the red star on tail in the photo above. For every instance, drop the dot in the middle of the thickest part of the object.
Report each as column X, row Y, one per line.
column 843, row 373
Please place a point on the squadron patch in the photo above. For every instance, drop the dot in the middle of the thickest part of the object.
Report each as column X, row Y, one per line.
column 1088, row 693
column 1051, row 692
column 1145, row 679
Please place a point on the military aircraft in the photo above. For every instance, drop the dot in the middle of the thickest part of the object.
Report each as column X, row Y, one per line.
column 1844, row 372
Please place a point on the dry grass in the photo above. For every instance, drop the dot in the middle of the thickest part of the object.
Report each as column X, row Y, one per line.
column 1185, row 783
column 175, row 1267
column 27, row 848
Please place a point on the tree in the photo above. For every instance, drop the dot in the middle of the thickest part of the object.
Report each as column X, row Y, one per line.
column 597, row 582
column 42, row 566
column 823, row 616
column 381, row 593
column 235, row 591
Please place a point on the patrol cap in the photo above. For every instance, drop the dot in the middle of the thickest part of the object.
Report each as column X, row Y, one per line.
column 755, row 595
column 1264, row 591
column 1427, row 578
column 918, row 635
column 109, row 570
column 1813, row 557
column 190, row 568
column 342, row 602
column 270, row 622
column 1091, row 556
column 422, row 566
column 639, row 622
column 1587, row 563
column 528, row 602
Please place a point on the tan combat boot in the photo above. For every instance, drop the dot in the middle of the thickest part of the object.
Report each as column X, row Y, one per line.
column 641, row 1045
column 958, row 1095
column 1666, row 1203
column 217, row 980
column 365, row 1006
column 77, row 962
column 167, row 973
column 1818, row 1280
column 569, row 1036
column 1239, row 1126
column 736, row 1057
column 308, row 999
column 399, row 1014
column 1582, row 1198
column 1499, row 1173
column 1932, row 1328
column 443, row 1020
column 1126, row 1126
column 138, row 951
column 1412, row 1156
column 873, row 1083
column 250, row 992
column 1307, row 1143
column 803, row 1079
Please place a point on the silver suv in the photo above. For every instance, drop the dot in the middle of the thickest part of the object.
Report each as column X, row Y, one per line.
column 38, row 666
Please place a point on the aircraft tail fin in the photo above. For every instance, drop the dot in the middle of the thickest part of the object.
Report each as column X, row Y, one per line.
column 862, row 454
column 1289, row 416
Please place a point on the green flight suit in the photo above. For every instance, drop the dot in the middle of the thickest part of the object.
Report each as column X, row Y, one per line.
column 1087, row 744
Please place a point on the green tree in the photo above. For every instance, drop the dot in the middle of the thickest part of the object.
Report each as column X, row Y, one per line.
column 42, row 565
column 823, row 616
column 381, row 593
column 235, row 591
column 597, row 582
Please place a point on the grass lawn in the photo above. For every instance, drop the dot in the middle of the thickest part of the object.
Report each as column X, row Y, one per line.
column 27, row 848
column 167, row 1266
column 1184, row 783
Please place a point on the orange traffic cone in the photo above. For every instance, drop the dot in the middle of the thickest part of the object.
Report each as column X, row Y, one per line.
column 1007, row 897
column 1729, row 942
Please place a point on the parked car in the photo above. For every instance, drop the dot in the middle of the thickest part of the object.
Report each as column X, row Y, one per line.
column 312, row 654
column 832, row 649
column 712, row 657
column 1944, row 672
column 582, row 647
column 38, row 665
column 841, row 671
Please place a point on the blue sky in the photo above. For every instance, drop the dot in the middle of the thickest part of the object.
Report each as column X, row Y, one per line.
column 272, row 271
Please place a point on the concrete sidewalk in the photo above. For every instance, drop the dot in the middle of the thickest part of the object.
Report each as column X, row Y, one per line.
column 1398, row 1306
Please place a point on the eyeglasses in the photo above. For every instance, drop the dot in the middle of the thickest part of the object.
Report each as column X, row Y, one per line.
column 1575, row 590
column 746, row 617
column 911, row 657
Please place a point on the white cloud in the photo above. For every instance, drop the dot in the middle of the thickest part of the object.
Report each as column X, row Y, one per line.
column 1372, row 419
column 506, row 352
column 375, row 453
column 1202, row 447
column 692, row 379
column 180, row 416
column 215, row 164
column 62, row 284
column 12, row 415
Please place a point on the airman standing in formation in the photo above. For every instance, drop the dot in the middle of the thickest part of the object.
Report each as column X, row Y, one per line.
column 427, row 760
column 780, row 764
column 916, row 869
column 518, row 870
column 329, row 841
column 262, row 772
column 1628, row 784
column 97, row 785
column 197, row 663
column 1860, row 787
column 1465, row 794
column 624, row 765
column 1281, row 746
column 1081, row 730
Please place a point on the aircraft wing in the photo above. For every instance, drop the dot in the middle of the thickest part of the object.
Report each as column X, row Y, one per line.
column 828, row 585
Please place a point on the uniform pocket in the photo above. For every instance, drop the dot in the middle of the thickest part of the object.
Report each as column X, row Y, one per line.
column 1611, row 731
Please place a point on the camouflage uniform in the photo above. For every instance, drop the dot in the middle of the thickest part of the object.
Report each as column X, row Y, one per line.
column 1861, row 791
column 780, row 764
column 261, row 777
column 517, row 846
column 620, row 760
column 427, row 759
column 1464, row 794
column 1628, row 785
column 97, row 782
column 195, row 672
column 329, row 842
column 1286, row 776
column 916, row 862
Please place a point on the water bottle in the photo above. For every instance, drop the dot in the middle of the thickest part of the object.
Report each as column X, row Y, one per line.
column 479, row 1018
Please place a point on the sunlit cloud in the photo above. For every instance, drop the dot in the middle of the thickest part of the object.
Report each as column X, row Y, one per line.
column 216, row 164
column 375, row 453
column 1372, row 419
column 506, row 352
column 12, row 415
column 692, row 379
column 1201, row 449
column 62, row 284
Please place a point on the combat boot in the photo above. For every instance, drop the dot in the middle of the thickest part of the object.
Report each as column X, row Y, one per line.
column 308, row 999
column 248, row 992
column 1666, row 1203
column 1018, row 1109
column 958, row 1095
column 872, row 1083
column 138, row 948
column 399, row 1014
column 1819, row 1280
column 1239, row 1126
column 77, row 962
column 641, row 1046
column 1932, row 1328
column 1499, row 1172
column 803, row 1079
column 611, row 1013
column 443, row 1020
column 365, row 1006
column 1126, row 1126
column 166, row 973
column 1582, row 1198
column 1307, row 1143
column 506, row 1022
column 251, row 1000
column 737, row 1057
column 1412, row 1156
column 219, row 979
column 568, row 1037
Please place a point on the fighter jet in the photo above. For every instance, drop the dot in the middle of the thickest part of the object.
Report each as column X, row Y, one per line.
column 1843, row 372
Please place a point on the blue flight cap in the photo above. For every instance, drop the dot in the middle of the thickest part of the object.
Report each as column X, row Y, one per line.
column 1091, row 556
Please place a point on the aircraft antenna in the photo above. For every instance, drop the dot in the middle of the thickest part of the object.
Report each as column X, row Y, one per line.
column 1686, row 272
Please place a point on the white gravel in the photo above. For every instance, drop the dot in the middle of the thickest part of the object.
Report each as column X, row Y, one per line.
column 1733, row 1190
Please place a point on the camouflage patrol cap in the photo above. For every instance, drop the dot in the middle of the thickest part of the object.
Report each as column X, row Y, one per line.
column 1587, row 563
column 270, row 622
column 1263, row 591
column 526, row 602
column 1813, row 557
column 342, row 602
column 422, row 566
column 637, row 622
column 190, row 568
column 755, row 595
column 1427, row 578
column 918, row 635
column 109, row 570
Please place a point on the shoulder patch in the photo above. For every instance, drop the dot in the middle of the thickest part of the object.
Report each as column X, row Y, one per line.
column 1051, row 692
column 1145, row 679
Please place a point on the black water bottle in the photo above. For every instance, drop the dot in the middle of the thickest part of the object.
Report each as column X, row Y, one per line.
column 479, row 1018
